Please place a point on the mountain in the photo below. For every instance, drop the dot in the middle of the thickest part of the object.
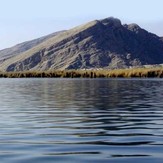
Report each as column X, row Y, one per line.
column 22, row 47
column 161, row 38
column 102, row 43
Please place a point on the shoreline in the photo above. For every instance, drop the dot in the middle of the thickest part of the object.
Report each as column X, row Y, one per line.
column 116, row 73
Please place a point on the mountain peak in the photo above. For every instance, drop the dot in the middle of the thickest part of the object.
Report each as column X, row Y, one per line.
column 133, row 27
column 111, row 21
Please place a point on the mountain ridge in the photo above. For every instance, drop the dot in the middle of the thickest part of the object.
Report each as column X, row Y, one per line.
column 102, row 43
column 24, row 46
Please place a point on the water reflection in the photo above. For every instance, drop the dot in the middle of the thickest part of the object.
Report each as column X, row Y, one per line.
column 81, row 120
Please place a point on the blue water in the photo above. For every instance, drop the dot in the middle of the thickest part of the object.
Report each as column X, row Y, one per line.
column 81, row 120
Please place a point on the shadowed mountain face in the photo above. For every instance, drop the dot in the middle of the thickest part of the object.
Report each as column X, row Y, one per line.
column 161, row 38
column 98, row 44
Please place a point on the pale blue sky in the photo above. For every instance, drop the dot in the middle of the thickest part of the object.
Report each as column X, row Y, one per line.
column 22, row 20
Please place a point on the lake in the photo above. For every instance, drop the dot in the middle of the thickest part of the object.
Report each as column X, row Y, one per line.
column 81, row 120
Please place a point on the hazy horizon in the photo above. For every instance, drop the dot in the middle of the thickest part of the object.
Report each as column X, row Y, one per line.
column 25, row 20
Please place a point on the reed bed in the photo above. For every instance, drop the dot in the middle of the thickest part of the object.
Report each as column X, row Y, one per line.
column 117, row 73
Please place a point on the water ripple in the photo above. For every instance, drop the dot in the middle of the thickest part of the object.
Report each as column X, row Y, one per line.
column 81, row 120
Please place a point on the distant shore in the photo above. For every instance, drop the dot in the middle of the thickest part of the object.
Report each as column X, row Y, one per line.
column 117, row 73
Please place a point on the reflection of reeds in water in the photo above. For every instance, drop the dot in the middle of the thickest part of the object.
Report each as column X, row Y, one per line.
column 124, row 73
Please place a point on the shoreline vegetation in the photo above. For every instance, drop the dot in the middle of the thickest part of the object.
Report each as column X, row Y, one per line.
column 102, row 73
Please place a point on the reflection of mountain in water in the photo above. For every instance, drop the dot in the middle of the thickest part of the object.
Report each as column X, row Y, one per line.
column 89, row 94
column 98, row 94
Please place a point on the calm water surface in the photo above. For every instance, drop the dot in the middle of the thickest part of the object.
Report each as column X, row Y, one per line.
column 81, row 120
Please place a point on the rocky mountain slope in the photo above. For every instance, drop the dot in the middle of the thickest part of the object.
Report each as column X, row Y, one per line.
column 22, row 47
column 98, row 44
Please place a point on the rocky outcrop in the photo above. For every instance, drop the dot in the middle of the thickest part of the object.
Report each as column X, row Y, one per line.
column 102, row 43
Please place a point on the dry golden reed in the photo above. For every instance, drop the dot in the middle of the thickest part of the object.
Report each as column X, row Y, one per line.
column 117, row 73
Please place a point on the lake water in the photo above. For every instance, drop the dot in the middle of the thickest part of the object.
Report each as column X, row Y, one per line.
column 81, row 120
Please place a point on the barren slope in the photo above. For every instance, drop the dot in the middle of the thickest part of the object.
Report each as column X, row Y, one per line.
column 98, row 44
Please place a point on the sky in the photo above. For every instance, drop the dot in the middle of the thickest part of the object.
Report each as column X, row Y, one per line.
column 23, row 20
